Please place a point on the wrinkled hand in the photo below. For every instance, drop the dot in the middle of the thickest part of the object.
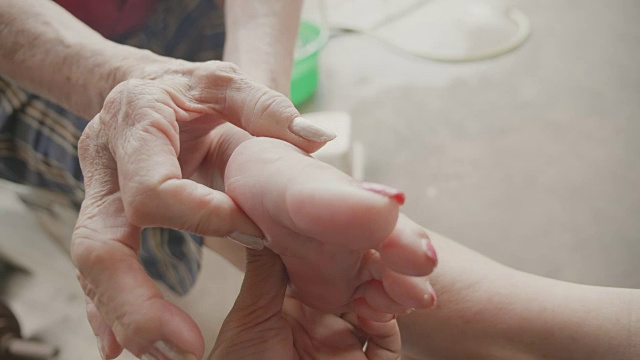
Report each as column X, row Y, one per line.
column 138, row 156
column 266, row 323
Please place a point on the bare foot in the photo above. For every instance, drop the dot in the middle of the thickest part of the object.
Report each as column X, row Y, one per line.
column 343, row 244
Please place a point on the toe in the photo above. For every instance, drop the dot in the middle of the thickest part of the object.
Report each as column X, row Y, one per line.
column 408, row 249
column 337, row 210
column 410, row 291
column 377, row 297
column 364, row 310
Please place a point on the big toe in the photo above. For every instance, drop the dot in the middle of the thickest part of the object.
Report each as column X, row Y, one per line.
column 338, row 210
column 274, row 181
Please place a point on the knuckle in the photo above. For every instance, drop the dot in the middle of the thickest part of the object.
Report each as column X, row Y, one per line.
column 94, row 155
column 123, row 96
column 87, row 255
column 85, row 142
column 138, row 210
column 131, row 321
column 217, row 73
column 87, row 289
column 269, row 104
column 84, row 251
column 228, row 68
column 113, row 99
column 127, row 326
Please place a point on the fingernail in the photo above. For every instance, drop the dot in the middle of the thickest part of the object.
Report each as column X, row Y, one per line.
column 428, row 248
column 100, row 349
column 249, row 241
column 169, row 351
column 385, row 190
column 409, row 311
column 310, row 131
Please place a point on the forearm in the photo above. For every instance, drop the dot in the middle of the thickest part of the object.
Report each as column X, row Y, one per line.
column 260, row 39
column 488, row 311
column 574, row 321
column 55, row 55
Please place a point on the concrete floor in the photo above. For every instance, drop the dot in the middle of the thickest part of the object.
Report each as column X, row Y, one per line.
column 50, row 305
column 530, row 158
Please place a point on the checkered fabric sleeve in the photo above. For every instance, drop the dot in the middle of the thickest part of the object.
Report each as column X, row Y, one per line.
column 38, row 139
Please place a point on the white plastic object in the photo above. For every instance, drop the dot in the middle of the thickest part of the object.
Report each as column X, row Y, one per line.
column 343, row 152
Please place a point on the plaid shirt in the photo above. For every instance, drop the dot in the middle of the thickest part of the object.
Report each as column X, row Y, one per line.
column 38, row 139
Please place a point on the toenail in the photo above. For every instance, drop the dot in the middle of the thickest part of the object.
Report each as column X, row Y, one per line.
column 252, row 242
column 428, row 248
column 430, row 297
column 385, row 190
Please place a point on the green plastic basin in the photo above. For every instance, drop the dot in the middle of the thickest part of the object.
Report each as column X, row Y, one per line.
column 304, row 76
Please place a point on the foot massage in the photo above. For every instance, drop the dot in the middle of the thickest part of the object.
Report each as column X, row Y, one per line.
column 168, row 124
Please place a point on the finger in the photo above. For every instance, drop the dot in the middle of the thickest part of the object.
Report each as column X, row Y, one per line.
column 384, row 341
column 108, row 345
column 377, row 297
column 408, row 250
column 123, row 294
column 104, row 246
column 262, row 111
column 258, row 305
column 189, row 206
column 364, row 310
column 264, row 284
column 150, row 176
column 352, row 318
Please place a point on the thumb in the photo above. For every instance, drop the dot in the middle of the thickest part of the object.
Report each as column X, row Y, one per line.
column 263, row 288
column 256, row 108
column 257, row 309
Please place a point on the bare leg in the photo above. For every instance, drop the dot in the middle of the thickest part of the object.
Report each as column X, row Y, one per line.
column 489, row 311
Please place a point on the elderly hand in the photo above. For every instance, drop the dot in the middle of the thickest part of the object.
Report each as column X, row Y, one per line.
column 266, row 323
column 138, row 156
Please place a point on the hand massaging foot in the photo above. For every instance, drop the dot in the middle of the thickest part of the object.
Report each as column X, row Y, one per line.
column 343, row 243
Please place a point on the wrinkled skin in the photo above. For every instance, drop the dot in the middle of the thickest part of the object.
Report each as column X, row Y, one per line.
column 267, row 323
column 138, row 156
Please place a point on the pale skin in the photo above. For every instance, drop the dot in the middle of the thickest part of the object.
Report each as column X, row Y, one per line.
column 595, row 322
column 316, row 217
column 485, row 310
column 153, row 135
column 339, row 219
column 279, row 326
column 335, row 256
column 52, row 39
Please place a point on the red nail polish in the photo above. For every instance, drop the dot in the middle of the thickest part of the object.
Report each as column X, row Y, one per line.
column 385, row 190
column 433, row 297
column 430, row 250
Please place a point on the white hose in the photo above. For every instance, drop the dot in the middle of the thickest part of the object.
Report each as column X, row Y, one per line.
column 519, row 18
